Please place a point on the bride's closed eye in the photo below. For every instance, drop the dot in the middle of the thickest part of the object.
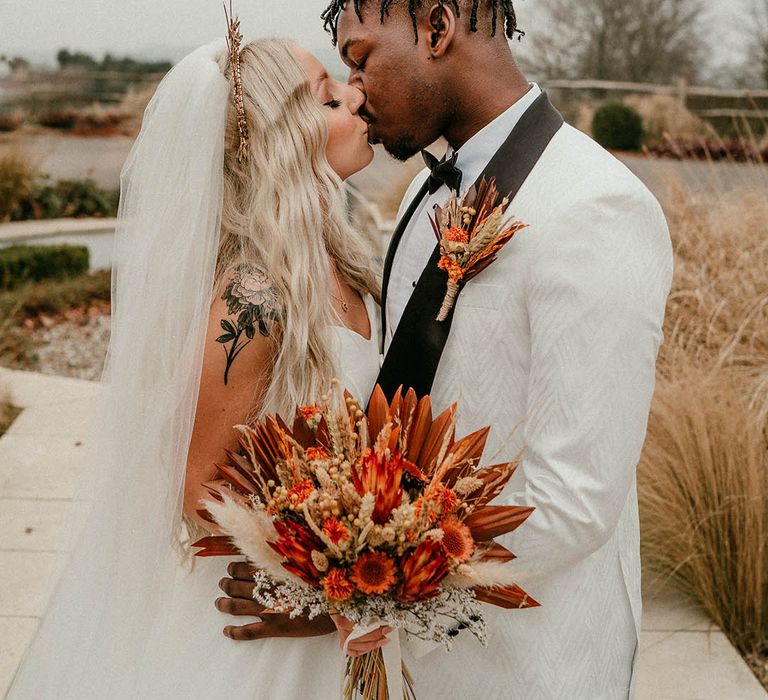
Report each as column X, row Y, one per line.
column 333, row 104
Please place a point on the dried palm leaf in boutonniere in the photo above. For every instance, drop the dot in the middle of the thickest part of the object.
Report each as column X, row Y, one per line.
column 471, row 232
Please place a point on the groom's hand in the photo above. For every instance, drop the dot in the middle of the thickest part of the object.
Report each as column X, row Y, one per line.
column 239, row 587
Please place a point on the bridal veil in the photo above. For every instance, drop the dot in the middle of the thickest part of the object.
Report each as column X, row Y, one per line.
column 116, row 589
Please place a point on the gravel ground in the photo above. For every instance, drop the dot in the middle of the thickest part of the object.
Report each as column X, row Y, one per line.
column 71, row 349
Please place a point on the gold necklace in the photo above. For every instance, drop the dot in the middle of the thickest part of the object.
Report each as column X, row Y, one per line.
column 340, row 299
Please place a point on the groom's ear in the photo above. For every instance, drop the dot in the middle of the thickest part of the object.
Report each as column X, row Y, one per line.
column 440, row 25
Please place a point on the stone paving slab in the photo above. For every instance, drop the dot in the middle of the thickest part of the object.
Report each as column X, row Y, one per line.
column 32, row 525
column 34, row 466
column 35, row 389
column 667, row 610
column 693, row 666
column 68, row 419
column 15, row 635
column 27, row 580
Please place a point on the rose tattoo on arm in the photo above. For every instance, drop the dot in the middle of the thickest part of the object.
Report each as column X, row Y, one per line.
column 253, row 304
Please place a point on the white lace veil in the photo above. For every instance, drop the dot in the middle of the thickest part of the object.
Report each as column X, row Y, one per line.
column 119, row 580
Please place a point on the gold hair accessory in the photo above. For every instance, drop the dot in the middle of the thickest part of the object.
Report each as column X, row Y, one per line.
column 234, row 39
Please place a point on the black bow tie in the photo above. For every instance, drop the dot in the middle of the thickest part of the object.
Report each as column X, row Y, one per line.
column 444, row 172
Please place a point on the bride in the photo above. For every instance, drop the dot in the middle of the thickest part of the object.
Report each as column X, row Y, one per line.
column 239, row 287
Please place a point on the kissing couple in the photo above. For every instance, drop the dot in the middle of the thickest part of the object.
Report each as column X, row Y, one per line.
column 240, row 288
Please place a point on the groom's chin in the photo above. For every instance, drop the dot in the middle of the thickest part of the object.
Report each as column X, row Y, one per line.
column 401, row 150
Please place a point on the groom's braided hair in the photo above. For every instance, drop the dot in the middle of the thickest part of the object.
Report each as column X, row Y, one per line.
column 331, row 14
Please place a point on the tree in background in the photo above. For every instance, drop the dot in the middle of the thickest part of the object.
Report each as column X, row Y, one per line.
column 758, row 47
column 110, row 63
column 14, row 63
column 639, row 41
column 67, row 59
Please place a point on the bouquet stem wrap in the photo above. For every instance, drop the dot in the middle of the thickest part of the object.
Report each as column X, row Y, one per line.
column 451, row 292
column 391, row 656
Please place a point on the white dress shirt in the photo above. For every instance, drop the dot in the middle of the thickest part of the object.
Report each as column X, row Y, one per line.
column 418, row 241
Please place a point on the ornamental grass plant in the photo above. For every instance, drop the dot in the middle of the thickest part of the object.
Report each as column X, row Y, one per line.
column 703, row 476
column 8, row 412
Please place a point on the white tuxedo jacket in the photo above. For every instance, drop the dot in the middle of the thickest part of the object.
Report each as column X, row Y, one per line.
column 554, row 346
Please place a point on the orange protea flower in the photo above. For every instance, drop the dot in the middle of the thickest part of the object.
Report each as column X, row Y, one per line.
column 382, row 477
column 443, row 498
column 337, row 585
column 456, row 235
column 296, row 544
column 457, row 540
column 316, row 454
column 373, row 573
column 335, row 530
column 309, row 411
column 302, row 490
column 423, row 569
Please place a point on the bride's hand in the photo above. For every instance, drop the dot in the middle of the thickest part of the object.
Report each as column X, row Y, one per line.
column 239, row 588
column 361, row 645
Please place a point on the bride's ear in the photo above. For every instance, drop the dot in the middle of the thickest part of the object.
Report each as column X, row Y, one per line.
column 440, row 24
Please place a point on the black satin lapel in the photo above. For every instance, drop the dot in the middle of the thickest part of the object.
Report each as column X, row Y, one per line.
column 413, row 356
column 419, row 338
column 392, row 249
column 526, row 143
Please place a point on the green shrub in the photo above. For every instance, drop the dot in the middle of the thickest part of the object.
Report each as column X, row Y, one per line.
column 69, row 198
column 54, row 297
column 9, row 122
column 17, row 185
column 65, row 199
column 618, row 127
column 58, row 119
column 20, row 264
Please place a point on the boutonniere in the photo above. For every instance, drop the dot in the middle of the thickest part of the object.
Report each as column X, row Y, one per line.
column 470, row 232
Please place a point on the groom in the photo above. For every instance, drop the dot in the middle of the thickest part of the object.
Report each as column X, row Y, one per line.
column 553, row 345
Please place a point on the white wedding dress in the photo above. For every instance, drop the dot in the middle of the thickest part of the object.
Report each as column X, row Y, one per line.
column 195, row 661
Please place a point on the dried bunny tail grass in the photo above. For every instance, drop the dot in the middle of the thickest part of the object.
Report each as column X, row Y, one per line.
column 483, row 574
column 703, row 489
column 249, row 529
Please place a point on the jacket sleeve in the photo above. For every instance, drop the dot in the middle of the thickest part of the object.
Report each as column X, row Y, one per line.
column 596, row 295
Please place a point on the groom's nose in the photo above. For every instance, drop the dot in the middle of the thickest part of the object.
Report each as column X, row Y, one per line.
column 356, row 99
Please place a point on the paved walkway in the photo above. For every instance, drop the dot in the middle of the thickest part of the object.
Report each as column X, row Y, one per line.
column 683, row 657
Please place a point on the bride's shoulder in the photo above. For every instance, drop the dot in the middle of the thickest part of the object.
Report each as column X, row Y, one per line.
column 245, row 313
column 248, row 284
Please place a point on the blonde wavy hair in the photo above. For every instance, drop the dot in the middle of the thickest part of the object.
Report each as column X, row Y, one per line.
column 285, row 209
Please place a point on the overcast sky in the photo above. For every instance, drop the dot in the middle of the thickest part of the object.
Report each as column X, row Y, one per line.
column 170, row 28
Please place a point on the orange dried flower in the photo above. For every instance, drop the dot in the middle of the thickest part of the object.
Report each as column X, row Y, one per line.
column 443, row 498
column 302, row 490
column 316, row 454
column 457, row 539
column 373, row 573
column 418, row 506
column 309, row 411
column 335, row 530
column 454, row 270
column 337, row 585
column 456, row 235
